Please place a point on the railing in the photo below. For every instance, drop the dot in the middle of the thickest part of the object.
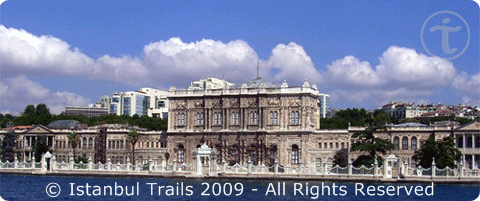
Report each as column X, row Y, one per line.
column 246, row 169
column 362, row 170
column 338, row 170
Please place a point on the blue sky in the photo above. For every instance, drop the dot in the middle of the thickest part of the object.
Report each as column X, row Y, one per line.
column 364, row 54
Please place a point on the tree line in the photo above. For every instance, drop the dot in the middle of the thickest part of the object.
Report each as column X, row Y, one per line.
column 41, row 115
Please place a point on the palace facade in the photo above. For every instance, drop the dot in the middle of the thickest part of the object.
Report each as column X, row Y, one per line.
column 255, row 122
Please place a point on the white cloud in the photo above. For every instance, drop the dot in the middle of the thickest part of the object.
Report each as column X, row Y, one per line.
column 176, row 62
column 470, row 86
column 401, row 75
column 351, row 73
column 18, row 92
column 293, row 64
column 404, row 66
column 23, row 52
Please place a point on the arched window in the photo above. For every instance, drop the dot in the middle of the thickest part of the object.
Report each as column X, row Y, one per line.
column 477, row 142
column 396, row 142
column 336, row 145
column 294, row 154
column 318, row 162
column 414, row 163
column 181, row 154
column 331, row 145
column 84, row 143
column 404, row 143
column 90, row 143
column 414, row 143
column 320, row 145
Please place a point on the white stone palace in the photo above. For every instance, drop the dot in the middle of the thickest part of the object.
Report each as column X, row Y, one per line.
column 256, row 124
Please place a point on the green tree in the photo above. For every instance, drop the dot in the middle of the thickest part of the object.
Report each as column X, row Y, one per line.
column 132, row 137
column 73, row 140
column 40, row 147
column 341, row 158
column 370, row 145
column 8, row 145
column 444, row 151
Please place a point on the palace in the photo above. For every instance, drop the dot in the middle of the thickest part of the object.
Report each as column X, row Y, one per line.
column 257, row 122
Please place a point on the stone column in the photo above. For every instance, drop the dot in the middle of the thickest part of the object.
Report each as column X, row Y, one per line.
column 406, row 173
column 53, row 163
column 174, row 166
column 150, row 164
column 42, row 164
column 460, row 170
column 129, row 164
column 90, row 162
column 434, row 168
column 109, row 164
column 350, row 167
column 375, row 167
column 15, row 159
column 385, row 168
column 464, row 139
column 72, row 162
column 33, row 162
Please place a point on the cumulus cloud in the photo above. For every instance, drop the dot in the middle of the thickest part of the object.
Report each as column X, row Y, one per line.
column 18, row 92
column 292, row 63
column 26, row 53
column 470, row 86
column 349, row 72
column 173, row 59
column 404, row 66
column 401, row 73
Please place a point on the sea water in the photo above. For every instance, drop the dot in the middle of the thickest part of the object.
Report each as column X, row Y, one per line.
column 30, row 187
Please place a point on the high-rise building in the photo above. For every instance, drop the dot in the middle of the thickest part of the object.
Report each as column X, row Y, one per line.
column 324, row 105
column 146, row 101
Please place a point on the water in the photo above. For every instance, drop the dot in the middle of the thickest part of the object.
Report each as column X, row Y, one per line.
column 28, row 187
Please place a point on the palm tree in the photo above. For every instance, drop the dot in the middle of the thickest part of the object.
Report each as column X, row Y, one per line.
column 133, row 138
column 73, row 140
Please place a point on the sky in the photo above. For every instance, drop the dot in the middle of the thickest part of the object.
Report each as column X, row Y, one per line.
column 364, row 54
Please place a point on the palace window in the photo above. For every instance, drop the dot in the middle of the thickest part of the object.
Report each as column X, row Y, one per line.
column 414, row 143
column 404, row 143
column 217, row 118
column 181, row 119
column 294, row 155
column 459, row 141
column 294, row 118
column 200, row 118
column 469, row 142
column 253, row 117
column 90, row 143
column 273, row 118
column 235, row 118
column 181, row 154
column 84, row 143
column 396, row 142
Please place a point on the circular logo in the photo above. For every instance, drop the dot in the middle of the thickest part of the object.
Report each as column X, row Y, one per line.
column 445, row 30
column 51, row 192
